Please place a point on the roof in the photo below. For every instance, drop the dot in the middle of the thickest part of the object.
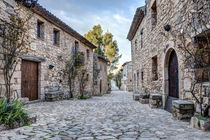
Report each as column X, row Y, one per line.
column 126, row 63
column 103, row 58
column 138, row 17
column 38, row 9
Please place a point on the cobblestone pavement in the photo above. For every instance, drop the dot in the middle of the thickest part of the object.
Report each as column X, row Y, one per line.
column 113, row 116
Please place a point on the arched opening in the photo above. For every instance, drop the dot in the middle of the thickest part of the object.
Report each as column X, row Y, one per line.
column 171, row 78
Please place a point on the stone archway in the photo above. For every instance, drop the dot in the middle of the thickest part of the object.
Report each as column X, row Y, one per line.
column 171, row 79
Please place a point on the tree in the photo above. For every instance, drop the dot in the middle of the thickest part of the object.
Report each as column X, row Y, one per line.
column 106, row 46
column 14, row 42
column 118, row 77
column 95, row 36
column 76, row 68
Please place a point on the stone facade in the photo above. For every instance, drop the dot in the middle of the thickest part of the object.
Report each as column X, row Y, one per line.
column 50, row 58
column 126, row 82
column 152, row 45
column 100, row 75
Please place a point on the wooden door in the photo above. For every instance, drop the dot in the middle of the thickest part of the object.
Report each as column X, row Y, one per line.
column 173, row 76
column 29, row 80
column 173, row 81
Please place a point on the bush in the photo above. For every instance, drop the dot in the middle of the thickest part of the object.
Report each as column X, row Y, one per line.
column 83, row 97
column 199, row 117
column 12, row 113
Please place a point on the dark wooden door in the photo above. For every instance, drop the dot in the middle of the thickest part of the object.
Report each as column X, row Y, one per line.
column 100, row 87
column 173, row 81
column 29, row 80
column 173, row 76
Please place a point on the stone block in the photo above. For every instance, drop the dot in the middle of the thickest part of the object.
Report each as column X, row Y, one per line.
column 155, row 101
column 194, row 123
column 54, row 96
column 207, row 126
column 202, row 123
column 184, row 105
column 182, row 109
column 11, row 2
column 144, row 101
column 156, row 96
column 136, row 97
column 144, row 96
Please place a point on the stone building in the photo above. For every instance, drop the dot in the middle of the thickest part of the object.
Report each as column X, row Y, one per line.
column 41, row 70
column 126, row 81
column 100, row 75
column 159, row 65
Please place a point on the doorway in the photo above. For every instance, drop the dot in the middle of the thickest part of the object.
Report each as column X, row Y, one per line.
column 29, row 80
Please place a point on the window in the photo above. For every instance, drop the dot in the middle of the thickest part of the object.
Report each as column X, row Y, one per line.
column 154, row 14
column 154, row 68
column 142, row 76
column 76, row 46
column 40, row 29
column 134, row 80
column 88, row 54
column 137, row 78
column 141, row 38
column 136, row 43
column 56, row 37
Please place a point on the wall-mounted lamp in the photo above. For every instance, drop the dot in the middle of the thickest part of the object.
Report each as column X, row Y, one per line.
column 51, row 66
column 167, row 27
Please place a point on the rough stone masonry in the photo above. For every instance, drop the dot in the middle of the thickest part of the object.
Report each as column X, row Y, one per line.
column 154, row 49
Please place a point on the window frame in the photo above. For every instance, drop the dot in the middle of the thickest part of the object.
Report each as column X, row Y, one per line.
column 40, row 29
column 56, row 37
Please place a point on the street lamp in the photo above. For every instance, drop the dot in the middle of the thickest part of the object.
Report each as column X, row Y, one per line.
column 28, row 3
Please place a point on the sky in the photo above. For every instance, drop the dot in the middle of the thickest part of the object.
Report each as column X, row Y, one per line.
column 114, row 16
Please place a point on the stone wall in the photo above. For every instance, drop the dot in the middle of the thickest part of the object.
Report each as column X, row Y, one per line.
column 126, row 82
column 152, row 41
column 54, row 55
column 100, row 75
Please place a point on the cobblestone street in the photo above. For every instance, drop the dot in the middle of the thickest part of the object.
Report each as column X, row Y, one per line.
column 113, row 116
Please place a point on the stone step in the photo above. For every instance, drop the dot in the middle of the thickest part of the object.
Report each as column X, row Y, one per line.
column 182, row 109
column 183, row 105
column 156, row 96
column 155, row 101
column 136, row 97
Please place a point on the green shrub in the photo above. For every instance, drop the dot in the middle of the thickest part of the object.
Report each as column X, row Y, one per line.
column 199, row 117
column 83, row 97
column 12, row 113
